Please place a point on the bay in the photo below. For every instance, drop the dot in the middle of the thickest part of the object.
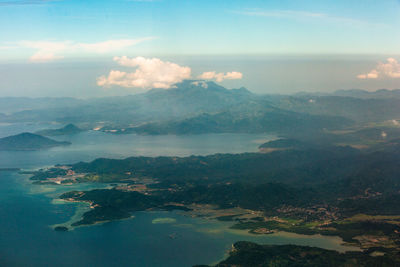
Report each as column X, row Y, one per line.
column 28, row 212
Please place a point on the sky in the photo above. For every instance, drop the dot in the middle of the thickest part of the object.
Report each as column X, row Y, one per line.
column 98, row 48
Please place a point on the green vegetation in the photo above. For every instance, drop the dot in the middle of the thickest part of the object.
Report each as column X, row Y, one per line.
column 284, row 166
column 246, row 254
column 346, row 230
column 111, row 204
column 310, row 184
column 42, row 175
column 103, row 178
column 299, row 227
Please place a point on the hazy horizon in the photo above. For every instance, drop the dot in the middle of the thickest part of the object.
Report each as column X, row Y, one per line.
column 266, row 74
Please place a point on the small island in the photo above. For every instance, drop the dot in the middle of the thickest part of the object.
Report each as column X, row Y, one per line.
column 61, row 229
column 28, row 142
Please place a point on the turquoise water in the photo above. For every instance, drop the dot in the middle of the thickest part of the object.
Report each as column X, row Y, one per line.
column 28, row 211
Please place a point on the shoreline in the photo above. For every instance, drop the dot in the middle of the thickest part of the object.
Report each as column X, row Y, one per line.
column 221, row 227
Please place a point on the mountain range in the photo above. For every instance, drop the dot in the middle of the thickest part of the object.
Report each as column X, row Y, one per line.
column 196, row 106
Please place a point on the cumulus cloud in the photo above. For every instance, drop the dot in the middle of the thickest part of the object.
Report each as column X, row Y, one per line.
column 219, row 77
column 52, row 50
column 148, row 73
column 390, row 69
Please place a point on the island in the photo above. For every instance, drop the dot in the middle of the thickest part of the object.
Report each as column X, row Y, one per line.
column 28, row 142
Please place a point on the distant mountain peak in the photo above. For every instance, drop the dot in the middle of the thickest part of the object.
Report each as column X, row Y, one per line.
column 242, row 90
column 66, row 130
column 208, row 85
column 200, row 85
column 71, row 127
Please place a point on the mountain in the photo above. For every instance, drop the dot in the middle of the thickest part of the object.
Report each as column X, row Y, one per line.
column 28, row 141
column 186, row 99
column 69, row 129
column 195, row 106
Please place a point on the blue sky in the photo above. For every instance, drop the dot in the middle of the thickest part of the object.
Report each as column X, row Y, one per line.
column 38, row 31
column 208, row 27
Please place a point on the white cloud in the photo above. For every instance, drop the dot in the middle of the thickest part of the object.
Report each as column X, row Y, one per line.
column 52, row 50
column 219, row 77
column 149, row 73
column 111, row 45
column 390, row 69
column 373, row 74
column 46, row 51
column 200, row 83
